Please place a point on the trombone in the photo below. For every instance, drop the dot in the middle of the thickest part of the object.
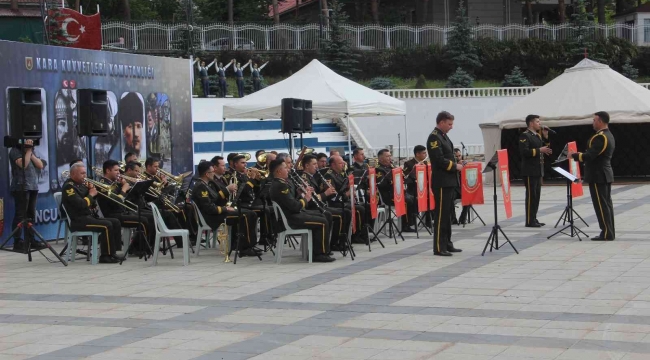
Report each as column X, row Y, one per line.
column 107, row 192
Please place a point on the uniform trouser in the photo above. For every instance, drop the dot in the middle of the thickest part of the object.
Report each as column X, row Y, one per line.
column 340, row 224
column 317, row 223
column 533, row 192
column 601, row 197
column 266, row 219
column 25, row 208
column 109, row 229
column 247, row 224
column 360, row 211
column 257, row 84
column 130, row 220
column 223, row 87
column 240, row 87
column 444, row 198
column 206, row 86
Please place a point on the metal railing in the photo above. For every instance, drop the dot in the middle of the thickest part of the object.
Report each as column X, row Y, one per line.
column 162, row 37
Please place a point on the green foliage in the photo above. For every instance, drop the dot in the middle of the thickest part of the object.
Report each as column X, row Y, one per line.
column 248, row 84
column 25, row 39
column 515, row 79
column 337, row 52
column 381, row 83
column 421, row 83
column 583, row 36
column 629, row 71
column 461, row 50
column 460, row 79
column 551, row 75
column 243, row 10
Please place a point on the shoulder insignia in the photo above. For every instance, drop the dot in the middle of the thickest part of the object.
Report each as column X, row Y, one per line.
column 204, row 194
column 434, row 144
column 379, row 174
column 434, row 132
column 330, row 172
column 522, row 140
column 70, row 192
column 285, row 191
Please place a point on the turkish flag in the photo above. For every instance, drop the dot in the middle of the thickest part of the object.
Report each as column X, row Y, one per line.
column 574, row 169
column 354, row 217
column 432, row 200
column 76, row 30
column 472, row 184
column 372, row 185
column 504, row 172
column 398, row 192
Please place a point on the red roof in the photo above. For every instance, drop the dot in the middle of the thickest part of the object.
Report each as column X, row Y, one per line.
column 21, row 12
column 288, row 5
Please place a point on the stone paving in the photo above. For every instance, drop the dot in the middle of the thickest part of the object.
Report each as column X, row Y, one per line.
column 558, row 299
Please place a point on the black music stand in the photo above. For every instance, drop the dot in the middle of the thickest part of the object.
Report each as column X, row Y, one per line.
column 26, row 226
column 493, row 239
column 137, row 191
column 564, row 217
column 568, row 211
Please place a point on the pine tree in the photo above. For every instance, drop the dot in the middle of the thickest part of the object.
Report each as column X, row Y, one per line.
column 460, row 79
column 583, row 37
column 629, row 71
column 461, row 50
column 187, row 39
column 338, row 55
column 515, row 79
column 421, row 83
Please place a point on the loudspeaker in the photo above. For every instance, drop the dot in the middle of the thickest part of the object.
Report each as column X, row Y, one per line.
column 306, row 116
column 92, row 112
column 292, row 115
column 25, row 113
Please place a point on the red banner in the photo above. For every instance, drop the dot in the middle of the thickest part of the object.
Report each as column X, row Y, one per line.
column 472, row 184
column 432, row 200
column 422, row 184
column 398, row 192
column 504, row 172
column 76, row 30
column 354, row 213
column 372, row 186
column 574, row 169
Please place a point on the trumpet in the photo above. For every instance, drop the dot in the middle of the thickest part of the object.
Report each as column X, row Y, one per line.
column 107, row 192
column 302, row 185
column 261, row 159
column 233, row 195
column 223, row 241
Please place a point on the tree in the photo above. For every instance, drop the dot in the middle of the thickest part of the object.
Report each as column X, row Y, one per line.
column 601, row 11
column 529, row 12
column 629, row 71
column 276, row 12
column 127, row 10
column 583, row 36
column 231, row 12
column 459, row 79
column 561, row 7
column 337, row 52
column 374, row 9
column 515, row 79
column 461, row 50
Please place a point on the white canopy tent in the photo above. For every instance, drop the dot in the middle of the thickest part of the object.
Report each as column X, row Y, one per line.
column 571, row 99
column 332, row 96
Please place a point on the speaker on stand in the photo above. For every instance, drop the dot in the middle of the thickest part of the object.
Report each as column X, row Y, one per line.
column 307, row 118
column 25, row 113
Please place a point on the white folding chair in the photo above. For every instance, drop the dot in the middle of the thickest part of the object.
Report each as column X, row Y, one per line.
column 203, row 227
column 162, row 231
column 305, row 234
column 71, row 239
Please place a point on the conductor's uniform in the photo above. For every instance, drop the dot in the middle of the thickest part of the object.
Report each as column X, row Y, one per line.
column 532, row 171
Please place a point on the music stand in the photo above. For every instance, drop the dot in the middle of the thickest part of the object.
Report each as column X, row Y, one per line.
column 564, row 217
column 367, row 217
column 493, row 239
column 136, row 192
column 575, row 231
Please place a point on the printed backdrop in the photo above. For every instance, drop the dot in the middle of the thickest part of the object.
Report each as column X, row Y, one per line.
column 149, row 100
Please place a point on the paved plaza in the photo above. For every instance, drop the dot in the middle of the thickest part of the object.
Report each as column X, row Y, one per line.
column 557, row 299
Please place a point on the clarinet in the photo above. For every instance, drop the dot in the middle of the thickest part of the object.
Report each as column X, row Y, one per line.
column 303, row 187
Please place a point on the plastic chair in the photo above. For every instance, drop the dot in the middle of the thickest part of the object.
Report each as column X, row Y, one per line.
column 62, row 221
column 71, row 238
column 288, row 231
column 162, row 231
column 204, row 227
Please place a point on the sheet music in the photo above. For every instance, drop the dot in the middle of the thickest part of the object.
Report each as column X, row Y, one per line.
column 566, row 174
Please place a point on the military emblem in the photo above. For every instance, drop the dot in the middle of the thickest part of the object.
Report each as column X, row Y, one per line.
column 420, row 182
column 70, row 192
column 574, row 168
column 398, row 187
column 523, row 140
column 285, row 191
column 506, row 182
column 29, row 63
column 434, row 144
column 373, row 184
column 471, row 177
column 204, row 194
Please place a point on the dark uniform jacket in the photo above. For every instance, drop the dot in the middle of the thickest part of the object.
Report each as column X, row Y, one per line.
column 319, row 189
column 597, row 158
column 246, row 188
column 338, row 181
column 358, row 167
column 443, row 161
column 220, row 187
column 385, row 182
column 76, row 200
column 281, row 193
column 531, row 158
column 110, row 207
column 205, row 198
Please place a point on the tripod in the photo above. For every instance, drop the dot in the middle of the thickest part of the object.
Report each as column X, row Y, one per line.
column 469, row 219
column 567, row 215
column 493, row 239
column 392, row 227
column 26, row 225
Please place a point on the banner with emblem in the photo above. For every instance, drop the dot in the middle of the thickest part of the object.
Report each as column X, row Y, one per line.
column 472, row 184
column 574, row 169
column 352, row 202
column 504, row 172
column 372, row 189
column 432, row 200
column 398, row 192
column 422, row 185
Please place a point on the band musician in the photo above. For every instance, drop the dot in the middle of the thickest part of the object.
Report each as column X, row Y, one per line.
column 359, row 163
column 532, row 148
column 248, row 198
column 211, row 197
column 294, row 210
column 385, row 186
column 79, row 202
column 419, row 156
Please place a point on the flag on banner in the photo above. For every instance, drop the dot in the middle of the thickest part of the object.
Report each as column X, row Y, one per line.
column 574, row 169
column 352, row 201
column 472, row 184
column 422, row 185
column 398, row 192
column 372, row 186
column 504, row 172
column 432, row 200
column 76, row 30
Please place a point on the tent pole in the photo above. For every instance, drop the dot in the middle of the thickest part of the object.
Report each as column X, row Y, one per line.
column 406, row 138
column 349, row 140
column 223, row 136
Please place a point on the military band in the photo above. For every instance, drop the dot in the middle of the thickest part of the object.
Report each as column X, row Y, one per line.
column 533, row 145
